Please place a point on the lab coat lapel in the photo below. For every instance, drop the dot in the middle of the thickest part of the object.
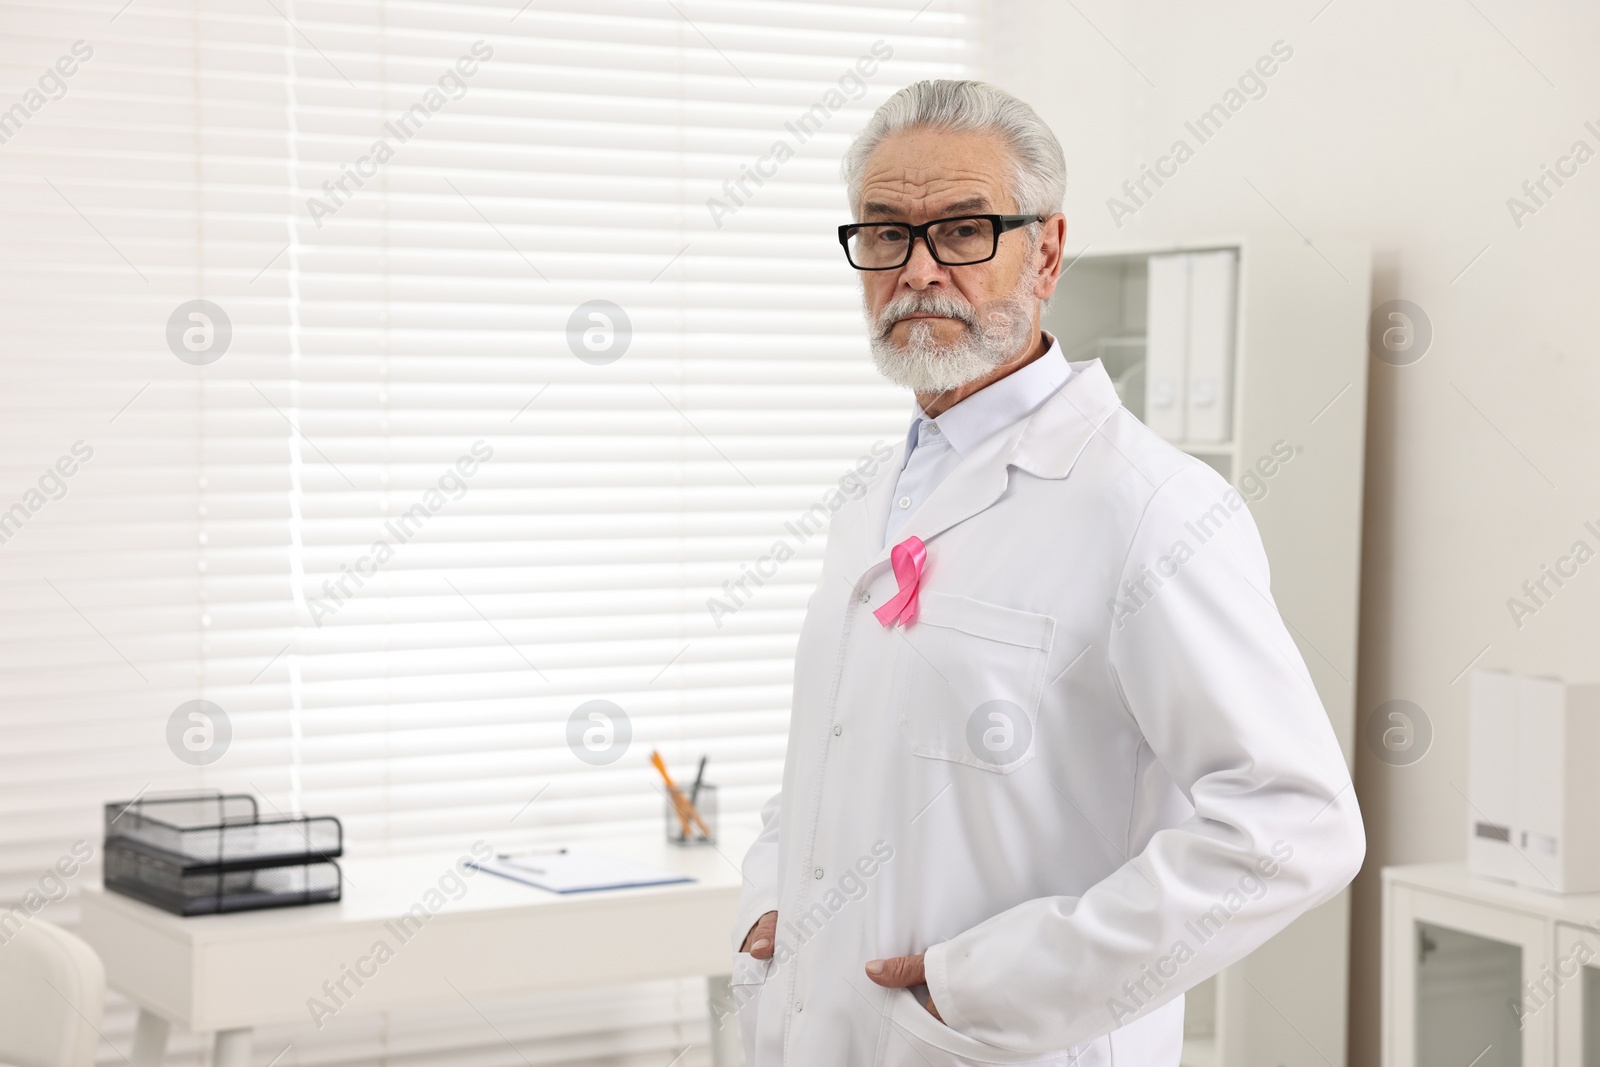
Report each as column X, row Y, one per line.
column 856, row 532
column 1046, row 444
column 1055, row 435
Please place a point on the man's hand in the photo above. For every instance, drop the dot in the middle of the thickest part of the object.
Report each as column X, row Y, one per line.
column 759, row 941
column 902, row 972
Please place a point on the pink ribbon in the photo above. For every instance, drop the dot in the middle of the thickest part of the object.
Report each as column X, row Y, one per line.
column 907, row 559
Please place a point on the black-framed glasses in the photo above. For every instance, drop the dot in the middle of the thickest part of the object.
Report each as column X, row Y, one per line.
column 959, row 241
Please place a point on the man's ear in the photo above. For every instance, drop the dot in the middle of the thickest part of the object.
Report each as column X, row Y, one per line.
column 1052, row 243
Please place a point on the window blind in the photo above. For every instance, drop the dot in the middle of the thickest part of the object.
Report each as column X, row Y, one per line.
column 403, row 378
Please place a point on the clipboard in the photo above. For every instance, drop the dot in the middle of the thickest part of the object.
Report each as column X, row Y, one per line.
column 576, row 871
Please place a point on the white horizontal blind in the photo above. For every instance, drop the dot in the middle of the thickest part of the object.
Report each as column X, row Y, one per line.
column 403, row 212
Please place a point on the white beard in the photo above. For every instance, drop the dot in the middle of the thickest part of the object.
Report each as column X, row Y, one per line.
column 926, row 366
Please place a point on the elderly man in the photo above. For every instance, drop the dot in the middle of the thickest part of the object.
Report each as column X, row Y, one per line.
column 1040, row 779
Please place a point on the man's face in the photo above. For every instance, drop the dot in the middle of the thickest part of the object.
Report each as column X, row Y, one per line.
column 934, row 327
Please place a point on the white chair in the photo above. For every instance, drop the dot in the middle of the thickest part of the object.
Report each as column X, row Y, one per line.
column 52, row 991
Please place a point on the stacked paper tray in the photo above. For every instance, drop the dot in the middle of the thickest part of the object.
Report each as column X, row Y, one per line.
column 204, row 853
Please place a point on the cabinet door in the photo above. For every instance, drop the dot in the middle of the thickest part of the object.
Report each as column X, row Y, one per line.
column 1454, row 976
column 1571, row 988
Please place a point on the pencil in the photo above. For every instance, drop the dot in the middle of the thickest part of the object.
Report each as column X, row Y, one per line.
column 678, row 800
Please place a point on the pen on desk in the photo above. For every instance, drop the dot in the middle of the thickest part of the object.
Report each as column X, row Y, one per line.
column 694, row 813
column 530, row 852
column 694, row 790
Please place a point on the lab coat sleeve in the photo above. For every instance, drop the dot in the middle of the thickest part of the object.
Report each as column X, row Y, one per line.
column 759, row 892
column 1209, row 672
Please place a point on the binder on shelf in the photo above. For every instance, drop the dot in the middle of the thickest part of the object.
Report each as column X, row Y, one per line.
column 1491, row 775
column 1191, row 310
column 1533, row 743
column 1212, row 280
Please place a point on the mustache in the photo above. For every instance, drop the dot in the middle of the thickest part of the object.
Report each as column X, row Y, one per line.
column 927, row 304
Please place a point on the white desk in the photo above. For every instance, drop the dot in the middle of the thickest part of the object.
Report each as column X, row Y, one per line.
column 229, row 973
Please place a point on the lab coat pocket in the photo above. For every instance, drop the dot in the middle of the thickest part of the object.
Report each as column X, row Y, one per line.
column 930, row 1041
column 969, row 678
column 748, row 978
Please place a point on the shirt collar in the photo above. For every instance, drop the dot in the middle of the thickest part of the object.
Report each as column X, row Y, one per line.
column 997, row 405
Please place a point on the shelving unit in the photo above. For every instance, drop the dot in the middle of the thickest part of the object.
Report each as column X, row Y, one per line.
column 1299, row 361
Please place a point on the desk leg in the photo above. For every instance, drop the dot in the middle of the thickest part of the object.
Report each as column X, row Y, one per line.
column 232, row 1049
column 150, row 1039
column 727, row 1049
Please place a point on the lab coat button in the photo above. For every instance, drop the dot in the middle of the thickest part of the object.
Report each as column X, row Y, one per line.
column 818, row 872
column 905, row 502
column 866, row 596
column 798, row 1006
column 837, row 730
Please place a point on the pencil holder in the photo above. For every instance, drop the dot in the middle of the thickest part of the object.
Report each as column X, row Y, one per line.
column 699, row 832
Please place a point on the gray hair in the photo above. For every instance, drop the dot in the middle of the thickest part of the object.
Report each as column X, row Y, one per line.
column 1039, row 170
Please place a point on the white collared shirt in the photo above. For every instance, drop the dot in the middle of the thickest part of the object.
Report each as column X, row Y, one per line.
column 935, row 445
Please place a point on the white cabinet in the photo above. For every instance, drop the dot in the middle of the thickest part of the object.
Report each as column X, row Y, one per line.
column 1479, row 972
column 1250, row 353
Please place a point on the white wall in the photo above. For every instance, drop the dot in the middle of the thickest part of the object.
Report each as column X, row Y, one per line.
column 1407, row 126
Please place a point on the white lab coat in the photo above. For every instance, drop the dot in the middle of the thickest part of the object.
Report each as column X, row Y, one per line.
column 1160, row 792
